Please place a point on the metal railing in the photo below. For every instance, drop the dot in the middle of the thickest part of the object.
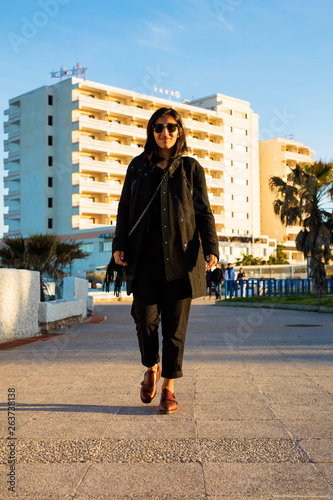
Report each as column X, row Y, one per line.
column 271, row 287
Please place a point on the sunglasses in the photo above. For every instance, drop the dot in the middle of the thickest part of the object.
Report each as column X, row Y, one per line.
column 159, row 127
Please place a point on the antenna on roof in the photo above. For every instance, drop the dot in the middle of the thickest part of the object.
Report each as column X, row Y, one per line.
column 67, row 73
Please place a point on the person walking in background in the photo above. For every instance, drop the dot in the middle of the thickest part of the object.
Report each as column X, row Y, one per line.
column 166, row 253
column 241, row 276
column 217, row 276
column 208, row 284
column 230, row 277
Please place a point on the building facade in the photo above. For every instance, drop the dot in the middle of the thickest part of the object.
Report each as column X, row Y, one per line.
column 276, row 156
column 69, row 146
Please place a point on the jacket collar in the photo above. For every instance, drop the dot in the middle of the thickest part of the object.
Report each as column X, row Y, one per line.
column 144, row 166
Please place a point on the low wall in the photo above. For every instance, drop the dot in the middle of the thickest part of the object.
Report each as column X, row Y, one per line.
column 19, row 299
column 60, row 313
column 22, row 314
column 72, row 308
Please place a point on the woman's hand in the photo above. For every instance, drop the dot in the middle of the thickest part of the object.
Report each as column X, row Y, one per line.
column 211, row 261
column 119, row 256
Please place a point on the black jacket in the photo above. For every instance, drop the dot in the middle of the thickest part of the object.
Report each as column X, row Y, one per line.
column 196, row 224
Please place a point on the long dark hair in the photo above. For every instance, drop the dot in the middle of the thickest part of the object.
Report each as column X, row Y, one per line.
column 151, row 148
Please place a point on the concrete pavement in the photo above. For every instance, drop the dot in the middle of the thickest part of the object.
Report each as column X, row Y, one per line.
column 254, row 419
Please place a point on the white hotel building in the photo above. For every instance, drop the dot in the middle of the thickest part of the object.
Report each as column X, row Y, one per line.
column 69, row 145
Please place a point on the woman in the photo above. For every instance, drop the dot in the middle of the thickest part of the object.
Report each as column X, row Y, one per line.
column 165, row 254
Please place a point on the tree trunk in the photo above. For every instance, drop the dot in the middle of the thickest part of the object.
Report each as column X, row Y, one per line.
column 318, row 272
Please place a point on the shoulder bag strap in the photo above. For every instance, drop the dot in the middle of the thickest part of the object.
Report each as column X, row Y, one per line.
column 164, row 176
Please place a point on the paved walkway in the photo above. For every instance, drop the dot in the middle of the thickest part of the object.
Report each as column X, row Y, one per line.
column 254, row 419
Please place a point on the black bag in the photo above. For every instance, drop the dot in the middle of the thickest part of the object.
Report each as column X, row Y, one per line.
column 116, row 273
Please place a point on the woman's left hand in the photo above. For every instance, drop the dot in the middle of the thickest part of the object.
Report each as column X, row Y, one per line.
column 211, row 261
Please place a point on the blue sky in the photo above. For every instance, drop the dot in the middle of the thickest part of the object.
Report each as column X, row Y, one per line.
column 276, row 54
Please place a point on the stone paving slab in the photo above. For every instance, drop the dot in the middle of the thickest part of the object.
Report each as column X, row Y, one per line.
column 254, row 418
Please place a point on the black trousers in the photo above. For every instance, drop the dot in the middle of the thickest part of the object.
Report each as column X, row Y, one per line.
column 158, row 300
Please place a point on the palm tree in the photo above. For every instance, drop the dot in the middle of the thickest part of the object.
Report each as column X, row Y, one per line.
column 250, row 260
column 280, row 256
column 301, row 201
column 45, row 253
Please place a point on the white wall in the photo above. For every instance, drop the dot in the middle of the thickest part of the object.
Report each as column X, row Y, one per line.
column 19, row 299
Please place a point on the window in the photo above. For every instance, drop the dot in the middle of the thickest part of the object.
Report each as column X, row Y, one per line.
column 50, row 100
column 239, row 147
column 50, row 223
column 228, row 213
column 239, row 114
column 241, row 182
column 228, row 196
column 227, row 128
column 50, row 182
column 106, row 246
column 50, row 120
column 50, row 161
column 228, row 163
column 228, row 179
column 240, row 131
column 240, row 215
column 240, row 197
column 50, row 202
column 50, row 140
column 87, row 247
column 240, row 164
column 226, row 111
column 228, row 145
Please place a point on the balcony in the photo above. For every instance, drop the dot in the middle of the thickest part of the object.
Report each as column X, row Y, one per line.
column 13, row 176
column 14, row 116
column 216, row 201
column 89, row 144
column 214, row 183
column 85, row 123
column 82, row 224
column 93, row 208
column 298, row 158
column 92, row 104
column 104, row 167
column 12, row 215
column 205, row 145
column 12, row 196
column 108, row 187
column 194, row 125
column 13, row 156
column 219, row 218
column 212, row 164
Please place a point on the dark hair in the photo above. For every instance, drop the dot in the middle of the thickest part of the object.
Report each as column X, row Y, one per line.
column 151, row 148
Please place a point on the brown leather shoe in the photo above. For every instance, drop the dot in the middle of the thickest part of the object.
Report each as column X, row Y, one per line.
column 148, row 390
column 168, row 403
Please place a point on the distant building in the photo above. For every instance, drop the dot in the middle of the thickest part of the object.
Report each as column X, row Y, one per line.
column 69, row 145
column 276, row 156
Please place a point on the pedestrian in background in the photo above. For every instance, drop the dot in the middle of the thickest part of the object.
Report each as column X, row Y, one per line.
column 241, row 277
column 217, row 276
column 166, row 253
column 230, row 277
column 208, row 284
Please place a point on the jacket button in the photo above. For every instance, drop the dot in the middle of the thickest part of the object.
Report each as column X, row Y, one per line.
column 185, row 245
